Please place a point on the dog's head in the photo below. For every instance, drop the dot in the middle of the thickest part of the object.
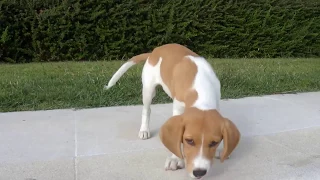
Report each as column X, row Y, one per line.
column 200, row 132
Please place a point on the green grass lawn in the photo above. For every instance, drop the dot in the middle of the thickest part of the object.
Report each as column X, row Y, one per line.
column 42, row 86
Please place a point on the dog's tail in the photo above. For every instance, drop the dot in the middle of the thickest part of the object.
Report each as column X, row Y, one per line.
column 124, row 68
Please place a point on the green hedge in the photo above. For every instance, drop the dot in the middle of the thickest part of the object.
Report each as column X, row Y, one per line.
column 60, row 30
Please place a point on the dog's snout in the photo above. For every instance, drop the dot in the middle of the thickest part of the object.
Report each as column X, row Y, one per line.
column 199, row 172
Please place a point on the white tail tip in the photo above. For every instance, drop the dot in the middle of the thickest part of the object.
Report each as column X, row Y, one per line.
column 106, row 87
column 118, row 74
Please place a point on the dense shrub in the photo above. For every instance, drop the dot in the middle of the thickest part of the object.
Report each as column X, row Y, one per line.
column 59, row 30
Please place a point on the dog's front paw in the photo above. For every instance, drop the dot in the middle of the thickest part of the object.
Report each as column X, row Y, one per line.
column 173, row 163
column 144, row 134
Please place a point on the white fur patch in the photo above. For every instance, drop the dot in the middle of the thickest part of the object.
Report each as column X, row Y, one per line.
column 201, row 162
column 178, row 107
column 159, row 79
column 207, row 85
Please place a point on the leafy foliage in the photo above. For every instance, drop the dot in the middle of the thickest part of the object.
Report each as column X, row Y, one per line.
column 60, row 30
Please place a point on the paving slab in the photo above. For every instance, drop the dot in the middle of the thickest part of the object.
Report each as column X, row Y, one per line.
column 271, row 114
column 280, row 140
column 260, row 157
column 58, row 169
column 256, row 158
column 113, row 130
column 35, row 136
column 310, row 100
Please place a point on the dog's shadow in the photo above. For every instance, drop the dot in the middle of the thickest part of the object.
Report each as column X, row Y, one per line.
column 154, row 133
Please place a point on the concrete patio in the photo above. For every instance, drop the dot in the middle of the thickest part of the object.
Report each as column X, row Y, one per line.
column 280, row 141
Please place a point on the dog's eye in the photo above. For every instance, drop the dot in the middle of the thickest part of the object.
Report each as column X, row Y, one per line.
column 213, row 143
column 190, row 141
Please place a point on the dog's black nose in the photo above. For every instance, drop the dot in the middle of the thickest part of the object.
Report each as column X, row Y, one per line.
column 199, row 172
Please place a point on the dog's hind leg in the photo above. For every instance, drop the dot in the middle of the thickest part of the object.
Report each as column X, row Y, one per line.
column 148, row 93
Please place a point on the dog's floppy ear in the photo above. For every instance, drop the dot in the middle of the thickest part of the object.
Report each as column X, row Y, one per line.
column 231, row 137
column 171, row 134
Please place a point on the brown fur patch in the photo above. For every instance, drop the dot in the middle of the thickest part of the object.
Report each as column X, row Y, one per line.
column 139, row 58
column 177, row 71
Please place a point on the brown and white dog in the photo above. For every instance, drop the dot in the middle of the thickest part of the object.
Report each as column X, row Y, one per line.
column 196, row 122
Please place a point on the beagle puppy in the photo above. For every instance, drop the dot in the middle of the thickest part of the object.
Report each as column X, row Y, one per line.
column 196, row 127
